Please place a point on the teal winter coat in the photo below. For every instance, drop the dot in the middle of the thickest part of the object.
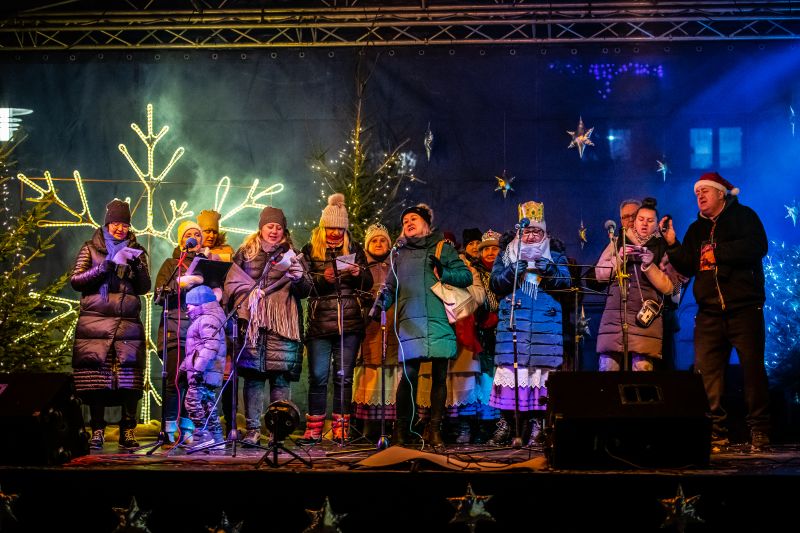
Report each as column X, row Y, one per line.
column 420, row 316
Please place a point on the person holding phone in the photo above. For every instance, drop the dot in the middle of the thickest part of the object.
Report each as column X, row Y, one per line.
column 647, row 284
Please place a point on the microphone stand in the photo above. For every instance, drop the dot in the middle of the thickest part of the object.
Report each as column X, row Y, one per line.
column 622, row 280
column 516, row 443
column 164, row 295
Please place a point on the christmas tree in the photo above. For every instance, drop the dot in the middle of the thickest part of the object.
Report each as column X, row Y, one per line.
column 35, row 335
column 375, row 184
column 782, row 356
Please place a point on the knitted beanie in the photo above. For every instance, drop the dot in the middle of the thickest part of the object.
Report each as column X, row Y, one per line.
column 376, row 230
column 117, row 211
column 208, row 219
column 200, row 295
column 335, row 213
column 469, row 235
column 423, row 210
column 271, row 215
column 185, row 226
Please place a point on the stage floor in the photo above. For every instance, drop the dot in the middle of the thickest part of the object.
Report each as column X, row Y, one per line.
column 401, row 489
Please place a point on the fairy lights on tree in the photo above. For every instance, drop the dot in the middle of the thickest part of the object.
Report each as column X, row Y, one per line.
column 782, row 356
column 375, row 185
column 151, row 179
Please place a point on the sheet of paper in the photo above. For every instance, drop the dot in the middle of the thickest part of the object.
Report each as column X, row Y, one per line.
column 135, row 252
column 346, row 262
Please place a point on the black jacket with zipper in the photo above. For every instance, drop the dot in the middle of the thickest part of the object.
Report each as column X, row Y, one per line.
column 740, row 244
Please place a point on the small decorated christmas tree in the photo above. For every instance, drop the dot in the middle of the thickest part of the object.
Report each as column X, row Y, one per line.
column 782, row 356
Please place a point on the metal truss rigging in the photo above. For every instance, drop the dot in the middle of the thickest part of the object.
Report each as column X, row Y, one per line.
column 350, row 24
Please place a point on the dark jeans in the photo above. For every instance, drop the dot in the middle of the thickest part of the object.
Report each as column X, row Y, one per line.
column 253, row 394
column 320, row 352
column 715, row 334
column 173, row 396
column 97, row 410
column 407, row 389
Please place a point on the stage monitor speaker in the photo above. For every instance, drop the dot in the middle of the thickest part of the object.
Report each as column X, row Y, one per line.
column 41, row 418
column 627, row 420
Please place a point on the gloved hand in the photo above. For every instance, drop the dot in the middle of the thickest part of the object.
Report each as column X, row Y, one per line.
column 647, row 257
column 295, row 270
column 521, row 266
column 542, row 264
column 122, row 257
column 436, row 264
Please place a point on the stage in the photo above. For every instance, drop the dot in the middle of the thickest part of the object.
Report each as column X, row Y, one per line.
column 398, row 489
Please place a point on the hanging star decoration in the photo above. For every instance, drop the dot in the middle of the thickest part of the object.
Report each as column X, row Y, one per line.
column 663, row 168
column 792, row 119
column 324, row 520
column 504, row 183
column 6, row 512
column 428, row 141
column 582, row 235
column 132, row 519
column 791, row 212
column 225, row 526
column 681, row 511
column 581, row 137
column 470, row 509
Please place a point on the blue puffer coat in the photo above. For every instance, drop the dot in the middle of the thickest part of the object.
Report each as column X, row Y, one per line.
column 540, row 337
column 421, row 319
column 205, row 344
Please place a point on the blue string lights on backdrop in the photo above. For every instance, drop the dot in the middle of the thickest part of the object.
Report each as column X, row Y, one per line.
column 606, row 73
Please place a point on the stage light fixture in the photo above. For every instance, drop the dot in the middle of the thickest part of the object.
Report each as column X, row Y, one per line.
column 281, row 419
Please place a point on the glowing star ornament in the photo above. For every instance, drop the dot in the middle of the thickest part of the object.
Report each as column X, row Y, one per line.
column 791, row 212
column 582, row 235
column 581, row 137
column 792, row 119
column 470, row 509
column 225, row 526
column 324, row 520
column 583, row 324
column 504, row 183
column 663, row 169
column 681, row 511
column 132, row 519
column 428, row 142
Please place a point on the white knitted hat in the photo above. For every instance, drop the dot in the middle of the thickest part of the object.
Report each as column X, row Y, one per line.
column 335, row 213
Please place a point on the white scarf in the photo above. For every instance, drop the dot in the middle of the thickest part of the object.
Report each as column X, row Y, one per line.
column 528, row 252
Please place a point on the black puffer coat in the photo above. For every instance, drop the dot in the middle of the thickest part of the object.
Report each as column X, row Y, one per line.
column 112, row 322
column 322, row 301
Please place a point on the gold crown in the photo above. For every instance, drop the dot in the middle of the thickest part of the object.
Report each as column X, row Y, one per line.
column 491, row 235
column 534, row 211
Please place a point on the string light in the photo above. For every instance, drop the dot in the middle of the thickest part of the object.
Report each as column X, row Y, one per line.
column 150, row 179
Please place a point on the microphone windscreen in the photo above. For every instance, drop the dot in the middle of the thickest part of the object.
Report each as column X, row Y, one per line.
column 524, row 222
column 610, row 225
column 191, row 242
column 401, row 241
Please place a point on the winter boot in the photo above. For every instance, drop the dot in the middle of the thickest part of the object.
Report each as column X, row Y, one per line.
column 536, row 435
column 252, row 437
column 314, row 427
column 170, row 429
column 502, row 434
column 481, row 431
column 341, row 427
column 127, row 439
column 464, row 435
column 98, row 439
column 186, row 427
column 400, row 433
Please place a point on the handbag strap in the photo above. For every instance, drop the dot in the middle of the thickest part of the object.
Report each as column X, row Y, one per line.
column 438, row 255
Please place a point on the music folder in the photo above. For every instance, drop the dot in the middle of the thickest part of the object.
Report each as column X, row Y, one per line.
column 213, row 272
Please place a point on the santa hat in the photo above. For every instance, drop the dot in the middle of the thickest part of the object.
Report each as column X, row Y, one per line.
column 712, row 179
column 185, row 226
column 376, row 230
column 490, row 238
column 335, row 213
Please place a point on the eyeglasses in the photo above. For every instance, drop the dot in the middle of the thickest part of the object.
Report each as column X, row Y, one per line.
column 623, row 217
column 533, row 231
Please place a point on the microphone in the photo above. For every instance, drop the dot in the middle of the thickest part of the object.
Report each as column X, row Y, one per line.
column 523, row 223
column 667, row 220
column 378, row 299
column 611, row 228
column 191, row 242
column 401, row 241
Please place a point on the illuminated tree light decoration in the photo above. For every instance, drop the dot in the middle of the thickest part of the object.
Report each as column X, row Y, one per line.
column 782, row 354
column 150, row 179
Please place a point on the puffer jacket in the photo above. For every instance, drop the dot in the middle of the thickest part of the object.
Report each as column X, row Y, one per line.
column 205, row 345
column 274, row 353
column 114, row 322
column 540, row 338
column 322, row 299
column 422, row 323
column 645, row 341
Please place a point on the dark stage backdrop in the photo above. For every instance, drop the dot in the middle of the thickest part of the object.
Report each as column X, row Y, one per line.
column 262, row 114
